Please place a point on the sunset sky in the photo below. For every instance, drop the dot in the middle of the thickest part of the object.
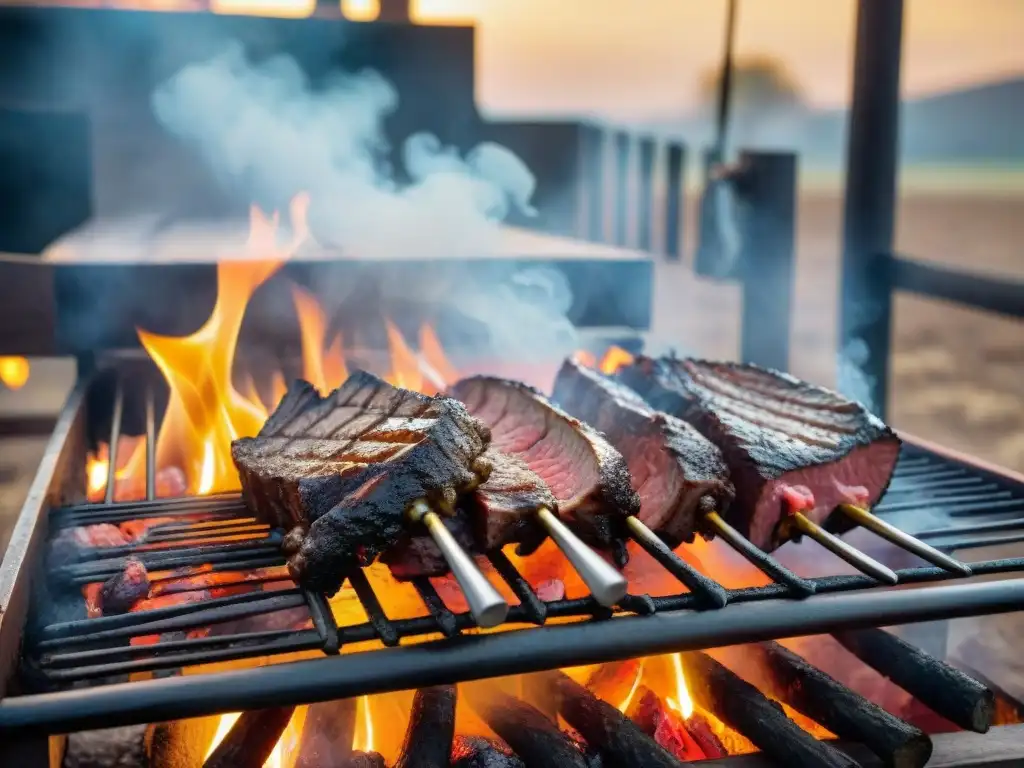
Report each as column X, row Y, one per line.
column 638, row 58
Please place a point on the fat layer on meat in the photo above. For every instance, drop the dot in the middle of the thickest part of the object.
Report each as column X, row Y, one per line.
column 677, row 472
column 587, row 476
column 777, row 434
column 502, row 510
column 340, row 471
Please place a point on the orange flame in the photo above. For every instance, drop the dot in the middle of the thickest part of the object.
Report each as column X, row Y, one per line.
column 613, row 359
column 205, row 412
column 14, row 372
column 681, row 703
column 362, row 741
column 325, row 370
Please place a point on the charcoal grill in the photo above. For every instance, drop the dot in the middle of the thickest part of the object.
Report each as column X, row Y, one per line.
column 73, row 674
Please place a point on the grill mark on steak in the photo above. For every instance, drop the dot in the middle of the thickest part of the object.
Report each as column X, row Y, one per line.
column 770, row 453
column 343, row 498
column 713, row 385
column 587, row 476
column 677, row 472
column 501, row 511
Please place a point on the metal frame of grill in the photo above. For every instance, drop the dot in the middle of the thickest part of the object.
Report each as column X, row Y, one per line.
column 79, row 662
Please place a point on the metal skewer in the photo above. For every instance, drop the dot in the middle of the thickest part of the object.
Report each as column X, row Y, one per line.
column 605, row 583
column 837, row 546
column 891, row 533
column 485, row 602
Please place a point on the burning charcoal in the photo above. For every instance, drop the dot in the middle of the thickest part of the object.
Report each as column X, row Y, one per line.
column 327, row 734
column 610, row 733
column 587, row 476
column 787, row 677
column 667, row 728
column 251, row 739
column 742, row 707
column 428, row 739
column 531, row 735
column 477, row 752
column 787, row 443
column 339, row 472
column 948, row 691
column 119, row 593
column 699, row 727
column 678, row 473
column 68, row 544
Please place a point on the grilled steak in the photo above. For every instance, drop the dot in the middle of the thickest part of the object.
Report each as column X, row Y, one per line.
column 501, row 511
column 789, row 445
column 340, row 471
column 677, row 472
column 587, row 476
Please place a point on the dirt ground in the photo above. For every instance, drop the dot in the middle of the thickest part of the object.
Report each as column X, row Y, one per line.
column 957, row 375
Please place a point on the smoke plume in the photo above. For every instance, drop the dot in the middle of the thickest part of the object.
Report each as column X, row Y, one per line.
column 265, row 128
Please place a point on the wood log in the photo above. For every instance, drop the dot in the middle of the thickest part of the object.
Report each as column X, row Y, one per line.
column 327, row 734
column 532, row 736
column 741, row 706
column 428, row 738
column 700, row 729
column 477, row 752
column 251, row 739
column 947, row 691
column 364, row 760
column 787, row 677
column 613, row 735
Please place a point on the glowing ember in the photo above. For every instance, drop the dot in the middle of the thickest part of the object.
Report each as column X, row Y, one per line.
column 613, row 359
column 632, row 691
column 96, row 470
column 14, row 372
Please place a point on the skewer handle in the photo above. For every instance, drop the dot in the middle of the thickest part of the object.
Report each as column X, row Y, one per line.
column 867, row 519
column 837, row 546
column 605, row 583
column 488, row 607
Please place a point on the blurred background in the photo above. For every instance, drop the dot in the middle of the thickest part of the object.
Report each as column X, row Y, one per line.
column 957, row 374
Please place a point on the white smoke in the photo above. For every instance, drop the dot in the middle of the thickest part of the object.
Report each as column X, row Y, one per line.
column 853, row 381
column 264, row 126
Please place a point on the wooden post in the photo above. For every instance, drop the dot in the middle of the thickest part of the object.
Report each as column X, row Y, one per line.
column 647, row 148
column 865, row 315
column 623, row 140
column 675, row 173
column 767, row 188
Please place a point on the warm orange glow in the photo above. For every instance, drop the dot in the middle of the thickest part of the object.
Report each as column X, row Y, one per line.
column 205, row 412
column 360, row 10
column 583, row 357
column 362, row 741
column 681, row 703
column 286, row 9
column 324, row 369
column 434, row 358
column 613, row 359
column 14, row 372
column 96, row 470
column 405, row 364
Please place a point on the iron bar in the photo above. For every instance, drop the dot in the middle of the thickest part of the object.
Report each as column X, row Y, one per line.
column 150, row 443
column 494, row 654
column 533, row 606
column 621, row 146
column 444, row 618
column 382, row 625
column 1002, row 295
column 645, row 199
column 709, row 591
column 323, row 621
column 115, row 437
column 943, row 500
column 966, row 510
column 675, row 172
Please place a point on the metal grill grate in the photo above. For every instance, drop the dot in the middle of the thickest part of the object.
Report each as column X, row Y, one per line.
column 92, row 657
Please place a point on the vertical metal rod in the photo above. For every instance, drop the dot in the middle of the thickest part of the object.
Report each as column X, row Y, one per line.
column 623, row 140
column 150, row 444
column 675, row 167
column 115, row 438
column 594, row 181
column 768, row 189
column 865, row 316
column 725, row 81
column 645, row 215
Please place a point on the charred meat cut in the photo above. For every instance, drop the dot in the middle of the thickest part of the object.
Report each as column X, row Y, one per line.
column 677, row 472
column 588, row 477
column 789, row 445
column 340, row 471
column 501, row 511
